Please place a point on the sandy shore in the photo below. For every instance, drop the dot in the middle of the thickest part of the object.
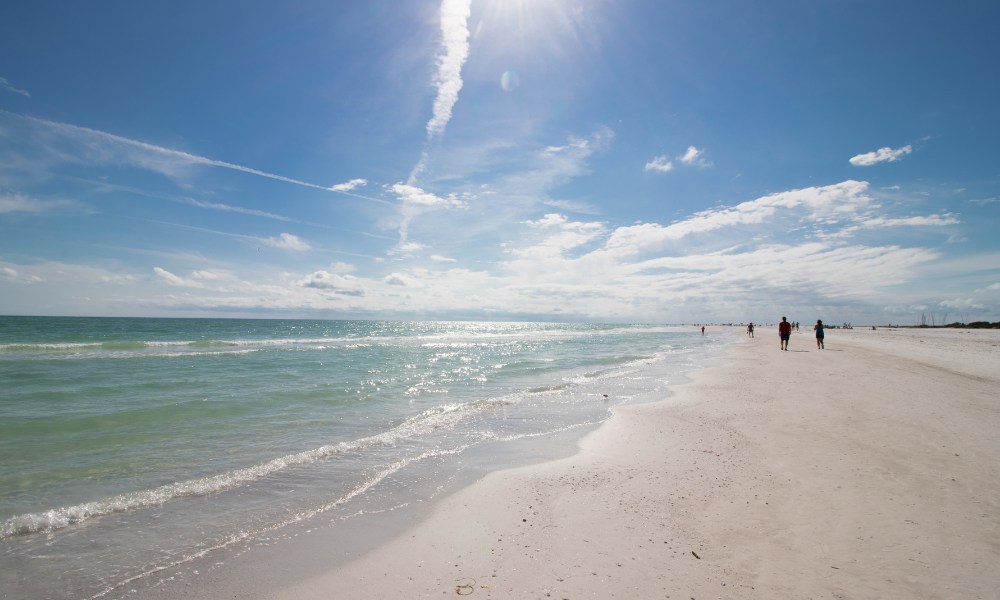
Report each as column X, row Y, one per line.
column 870, row 469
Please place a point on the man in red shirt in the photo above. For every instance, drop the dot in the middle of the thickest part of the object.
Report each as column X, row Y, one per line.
column 784, row 332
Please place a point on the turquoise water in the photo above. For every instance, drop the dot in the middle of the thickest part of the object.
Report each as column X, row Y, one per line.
column 129, row 445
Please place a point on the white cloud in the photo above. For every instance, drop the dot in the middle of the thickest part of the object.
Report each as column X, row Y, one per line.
column 660, row 164
column 345, row 285
column 405, row 246
column 15, row 276
column 694, row 158
column 168, row 277
column 117, row 278
column 727, row 261
column 570, row 159
column 549, row 220
column 883, row 221
column 599, row 140
column 348, row 185
column 115, row 290
column 342, row 267
column 917, row 221
column 213, row 275
column 738, row 280
column 414, row 195
column 881, row 155
column 202, row 279
column 561, row 235
column 961, row 304
column 398, row 279
column 559, row 223
column 287, row 241
column 827, row 203
column 415, row 201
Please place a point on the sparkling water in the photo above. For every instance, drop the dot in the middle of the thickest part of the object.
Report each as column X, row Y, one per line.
column 131, row 445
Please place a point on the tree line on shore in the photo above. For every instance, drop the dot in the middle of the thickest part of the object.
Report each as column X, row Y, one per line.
column 957, row 325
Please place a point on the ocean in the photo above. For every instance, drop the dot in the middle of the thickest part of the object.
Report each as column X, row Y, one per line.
column 132, row 447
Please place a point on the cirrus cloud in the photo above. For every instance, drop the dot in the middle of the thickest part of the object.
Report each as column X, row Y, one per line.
column 7, row 86
column 20, row 203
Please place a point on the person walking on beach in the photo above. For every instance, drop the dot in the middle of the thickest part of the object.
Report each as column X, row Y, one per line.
column 784, row 332
column 702, row 330
column 819, row 333
column 750, row 329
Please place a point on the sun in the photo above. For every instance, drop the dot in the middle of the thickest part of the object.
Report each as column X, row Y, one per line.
column 529, row 27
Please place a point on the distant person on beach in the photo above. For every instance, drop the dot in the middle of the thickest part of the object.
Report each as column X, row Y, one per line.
column 784, row 332
column 819, row 333
column 750, row 329
column 702, row 330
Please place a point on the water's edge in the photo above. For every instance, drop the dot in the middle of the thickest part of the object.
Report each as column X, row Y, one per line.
column 259, row 569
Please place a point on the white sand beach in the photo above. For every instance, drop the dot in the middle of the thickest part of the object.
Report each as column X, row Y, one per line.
column 870, row 469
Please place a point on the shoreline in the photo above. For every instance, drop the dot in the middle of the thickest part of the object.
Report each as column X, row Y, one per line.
column 848, row 472
column 259, row 563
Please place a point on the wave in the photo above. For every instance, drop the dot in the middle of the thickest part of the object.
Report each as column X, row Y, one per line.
column 117, row 348
column 457, row 339
column 437, row 418
column 380, row 475
column 299, row 517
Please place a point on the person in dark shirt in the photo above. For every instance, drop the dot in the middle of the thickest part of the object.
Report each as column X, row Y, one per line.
column 784, row 332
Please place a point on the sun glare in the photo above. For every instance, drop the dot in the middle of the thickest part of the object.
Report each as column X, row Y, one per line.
column 534, row 26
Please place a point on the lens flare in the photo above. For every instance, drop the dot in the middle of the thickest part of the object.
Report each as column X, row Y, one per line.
column 509, row 81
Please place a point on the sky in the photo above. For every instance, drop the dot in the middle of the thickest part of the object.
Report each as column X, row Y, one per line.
column 645, row 161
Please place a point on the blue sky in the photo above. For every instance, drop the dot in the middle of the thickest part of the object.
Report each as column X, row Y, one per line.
column 640, row 161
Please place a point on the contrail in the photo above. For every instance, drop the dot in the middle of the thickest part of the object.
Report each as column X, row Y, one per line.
column 455, row 51
column 6, row 85
column 455, row 39
column 343, row 189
